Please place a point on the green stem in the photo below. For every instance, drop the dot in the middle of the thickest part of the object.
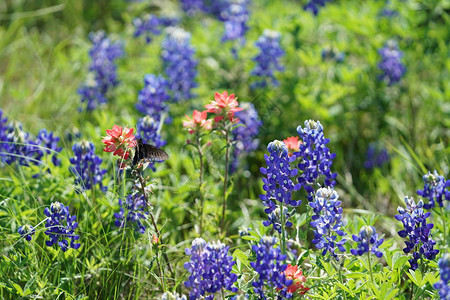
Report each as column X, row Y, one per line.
column 225, row 183
column 370, row 268
column 283, row 230
column 445, row 229
column 200, row 154
column 342, row 279
column 155, row 226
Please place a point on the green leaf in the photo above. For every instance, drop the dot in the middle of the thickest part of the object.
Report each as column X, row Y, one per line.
column 18, row 288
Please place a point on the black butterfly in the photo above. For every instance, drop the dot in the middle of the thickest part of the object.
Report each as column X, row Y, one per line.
column 146, row 151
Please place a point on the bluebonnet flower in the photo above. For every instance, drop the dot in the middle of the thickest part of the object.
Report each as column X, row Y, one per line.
column 103, row 75
column 376, row 158
column 268, row 59
column 61, row 227
column 244, row 231
column 368, row 241
column 417, row 230
column 192, row 6
column 210, row 269
column 391, row 65
column 315, row 158
column 147, row 130
column 442, row 285
column 327, row 221
column 436, row 190
column 18, row 146
column 179, row 64
column 332, row 54
column 26, row 231
column 132, row 212
column 314, row 5
column 153, row 96
column 270, row 267
column 86, row 166
column 278, row 185
column 49, row 145
column 151, row 25
column 235, row 16
column 245, row 136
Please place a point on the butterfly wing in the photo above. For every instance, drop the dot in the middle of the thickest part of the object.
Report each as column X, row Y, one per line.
column 148, row 152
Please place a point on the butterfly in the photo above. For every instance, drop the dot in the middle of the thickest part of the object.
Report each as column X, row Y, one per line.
column 149, row 152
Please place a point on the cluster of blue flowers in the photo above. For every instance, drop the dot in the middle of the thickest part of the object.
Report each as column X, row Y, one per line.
column 86, row 166
column 192, row 6
column 210, row 269
column 245, row 136
column 153, row 96
column 179, row 64
column 391, row 65
column 16, row 145
column 147, row 130
column 61, row 227
column 375, row 158
column 327, row 221
column 315, row 158
column 235, row 15
column 268, row 59
column 314, row 5
column 436, row 190
column 417, row 230
column 132, row 212
column 278, row 185
column 368, row 242
column 270, row 267
column 442, row 285
column 151, row 25
column 26, row 231
column 332, row 54
column 103, row 74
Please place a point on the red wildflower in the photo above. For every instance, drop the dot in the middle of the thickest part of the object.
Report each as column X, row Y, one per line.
column 297, row 277
column 292, row 143
column 155, row 239
column 119, row 141
column 224, row 106
column 198, row 121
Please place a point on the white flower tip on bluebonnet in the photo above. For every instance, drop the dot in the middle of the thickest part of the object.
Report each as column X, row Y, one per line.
column 172, row 296
column 271, row 34
column 217, row 245
column 327, row 193
column 149, row 121
column 277, row 146
column 178, row 34
column 198, row 244
column 367, row 231
column 56, row 207
column 268, row 240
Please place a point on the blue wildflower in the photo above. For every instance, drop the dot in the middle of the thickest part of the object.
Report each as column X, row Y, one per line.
column 314, row 5
column 436, row 190
column 443, row 284
column 278, row 185
column 151, row 25
column 391, row 65
column 315, row 158
column 26, row 231
column 245, row 136
column 327, row 221
column 179, row 64
column 49, row 145
column 268, row 59
column 147, row 130
column 103, row 74
column 417, row 230
column 192, row 6
column 332, row 54
column 376, row 158
column 270, row 268
column 172, row 296
column 235, row 16
column 368, row 241
column 210, row 269
column 133, row 211
column 61, row 227
column 153, row 96
column 18, row 146
column 86, row 166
